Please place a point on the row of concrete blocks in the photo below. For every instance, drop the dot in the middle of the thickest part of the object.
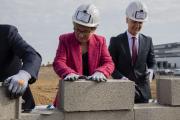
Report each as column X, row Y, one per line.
column 139, row 112
column 113, row 96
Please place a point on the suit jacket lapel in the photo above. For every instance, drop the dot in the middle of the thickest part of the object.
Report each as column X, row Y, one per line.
column 77, row 55
column 140, row 49
column 125, row 47
column 93, row 52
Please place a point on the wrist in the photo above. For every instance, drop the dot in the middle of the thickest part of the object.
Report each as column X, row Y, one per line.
column 24, row 75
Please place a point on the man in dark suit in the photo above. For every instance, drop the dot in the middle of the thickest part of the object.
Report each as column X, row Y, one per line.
column 19, row 65
column 133, row 53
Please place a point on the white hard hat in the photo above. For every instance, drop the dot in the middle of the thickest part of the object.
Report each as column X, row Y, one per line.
column 137, row 11
column 86, row 15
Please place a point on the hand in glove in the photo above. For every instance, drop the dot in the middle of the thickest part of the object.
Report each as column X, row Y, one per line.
column 98, row 77
column 71, row 77
column 17, row 83
column 124, row 78
column 150, row 74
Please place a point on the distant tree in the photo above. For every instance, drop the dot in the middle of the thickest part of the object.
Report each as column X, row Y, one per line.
column 49, row 64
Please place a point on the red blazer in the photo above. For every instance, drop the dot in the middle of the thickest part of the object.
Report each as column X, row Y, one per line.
column 69, row 56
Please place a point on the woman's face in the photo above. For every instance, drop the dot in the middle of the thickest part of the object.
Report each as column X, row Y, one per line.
column 82, row 33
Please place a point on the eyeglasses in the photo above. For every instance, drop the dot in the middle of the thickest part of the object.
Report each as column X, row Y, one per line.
column 76, row 29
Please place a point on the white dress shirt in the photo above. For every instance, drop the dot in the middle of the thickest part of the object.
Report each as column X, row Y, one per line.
column 130, row 41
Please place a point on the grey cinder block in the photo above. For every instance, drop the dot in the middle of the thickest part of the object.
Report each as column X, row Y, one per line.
column 86, row 95
column 55, row 115
column 168, row 91
column 156, row 112
column 9, row 108
column 97, row 115
column 100, row 115
column 30, row 116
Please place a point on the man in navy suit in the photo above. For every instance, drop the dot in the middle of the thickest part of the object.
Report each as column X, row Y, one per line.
column 19, row 65
column 133, row 53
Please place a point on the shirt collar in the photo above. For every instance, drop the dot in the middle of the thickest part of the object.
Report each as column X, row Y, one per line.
column 130, row 35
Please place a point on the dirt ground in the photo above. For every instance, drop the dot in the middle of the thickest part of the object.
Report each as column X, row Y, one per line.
column 45, row 88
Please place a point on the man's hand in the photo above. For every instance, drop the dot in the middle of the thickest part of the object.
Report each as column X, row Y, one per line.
column 71, row 77
column 124, row 78
column 17, row 83
column 98, row 77
column 150, row 74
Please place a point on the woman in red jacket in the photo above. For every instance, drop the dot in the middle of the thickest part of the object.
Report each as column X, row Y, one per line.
column 83, row 52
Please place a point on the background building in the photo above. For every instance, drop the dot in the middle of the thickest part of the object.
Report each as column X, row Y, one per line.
column 168, row 55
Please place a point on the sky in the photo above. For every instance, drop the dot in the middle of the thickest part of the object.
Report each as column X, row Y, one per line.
column 40, row 22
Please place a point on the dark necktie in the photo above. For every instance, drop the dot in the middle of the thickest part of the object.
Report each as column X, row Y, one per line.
column 134, row 50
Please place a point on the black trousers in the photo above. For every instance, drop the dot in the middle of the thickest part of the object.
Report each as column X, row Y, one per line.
column 29, row 102
column 139, row 97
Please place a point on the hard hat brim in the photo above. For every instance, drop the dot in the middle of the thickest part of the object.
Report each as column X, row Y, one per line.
column 138, row 20
column 85, row 24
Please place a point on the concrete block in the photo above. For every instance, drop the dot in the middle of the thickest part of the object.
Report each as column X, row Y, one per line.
column 30, row 116
column 100, row 115
column 96, row 115
column 168, row 91
column 55, row 115
column 156, row 112
column 9, row 109
column 86, row 95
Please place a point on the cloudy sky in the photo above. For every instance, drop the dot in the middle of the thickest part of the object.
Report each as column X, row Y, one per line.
column 40, row 22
